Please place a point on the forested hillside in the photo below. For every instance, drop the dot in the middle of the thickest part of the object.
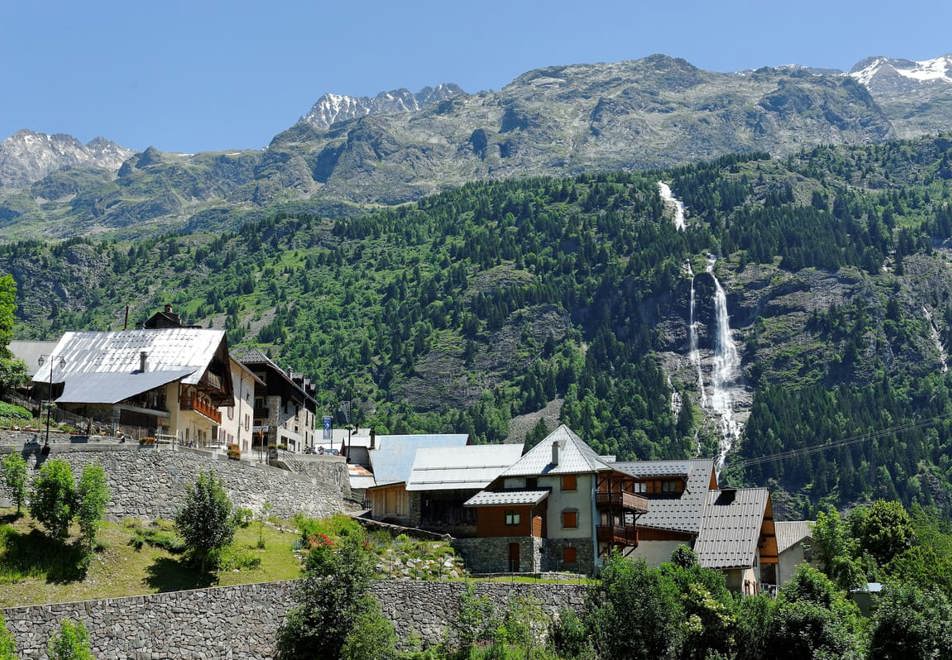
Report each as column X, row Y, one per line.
column 501, row 299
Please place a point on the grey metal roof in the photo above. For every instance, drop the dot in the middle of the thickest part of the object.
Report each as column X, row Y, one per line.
column 254, row 356
column 731, row 527
column 460, row 468
column 112, row 388
column 392, row 462
column 173, row 349
column 506, row 497
column 575, row 457
column 30, row 352
column 791, row 532
column 682, row 514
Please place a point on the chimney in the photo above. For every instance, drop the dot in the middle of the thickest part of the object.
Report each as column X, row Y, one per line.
column 168, row 308
column 373, row 438
column 555, row 453
column 143, row 361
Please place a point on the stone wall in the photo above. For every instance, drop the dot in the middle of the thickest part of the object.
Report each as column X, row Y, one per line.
column 491, row 554
column 325, row 469
column 150, row 482
column 553, row 554
column 241, row 622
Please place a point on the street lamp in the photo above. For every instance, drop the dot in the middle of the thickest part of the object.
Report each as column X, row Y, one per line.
column 49, row 394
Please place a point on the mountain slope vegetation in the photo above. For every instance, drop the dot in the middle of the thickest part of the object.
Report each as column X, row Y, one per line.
column 494, row 300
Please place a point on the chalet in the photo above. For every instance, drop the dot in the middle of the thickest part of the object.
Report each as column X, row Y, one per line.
column 731, row 530
column 236, row 419
column 793, row 538
column 559, row 507
column 391, row 462
column 284, row 405
column 169, row 382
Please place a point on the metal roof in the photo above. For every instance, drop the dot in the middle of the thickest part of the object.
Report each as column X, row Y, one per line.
column 113, row 388
column 30, row 351
column 791, row 532
column 392, row 462
column 575, row 457
column 506, row 497
column 731, row 527
column 460, row 468
column 254, row 356
column 680, row 514
column 174, row 349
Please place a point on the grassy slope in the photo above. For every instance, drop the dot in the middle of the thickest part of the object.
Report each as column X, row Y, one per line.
column 35, row 570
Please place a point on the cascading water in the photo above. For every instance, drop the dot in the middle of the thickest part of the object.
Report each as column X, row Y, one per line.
column 726, row 370
column 937, row 340
column 694, row 355
column 670, row 199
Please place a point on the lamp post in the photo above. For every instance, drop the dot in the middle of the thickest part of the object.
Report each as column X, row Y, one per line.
column 49, row 394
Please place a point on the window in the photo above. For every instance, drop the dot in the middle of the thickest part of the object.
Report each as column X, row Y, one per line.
column 569, row 556
column 532, row 483
column 568, row 482
column 231, row 412
column 247, row 421
column 570, row 519
column 512, row 518
column 641, row 487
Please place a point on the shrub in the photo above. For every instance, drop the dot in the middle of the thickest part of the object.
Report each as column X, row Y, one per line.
column 8, row 647
column 372, row 636
column 237, row 559
column 92, row 495
column 911, row 623
column 71, row 643
column 205, row 522
column 13, row 411
column 53, row 500
column 243, row 517
column 156, row 536
column 569, row 636
column 14, row 477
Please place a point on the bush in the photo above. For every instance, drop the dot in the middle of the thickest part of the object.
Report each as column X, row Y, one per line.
column 327, row 601
column 8, row 647
column 71, row 643
column 92, row 495
column 156, row 535
column 14, row 477
column 205, row 522
column 53, row 500
column 243, row 517
column 911, row 623
column 372, row 636
column 569, row 636
column 318, row 531
column 13, row 411
column 236, row 559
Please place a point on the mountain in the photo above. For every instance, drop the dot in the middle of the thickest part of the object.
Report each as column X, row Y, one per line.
column 352, row 153
column 917, row 96
column 490, row 306
column 27, row 156
column 332, row 108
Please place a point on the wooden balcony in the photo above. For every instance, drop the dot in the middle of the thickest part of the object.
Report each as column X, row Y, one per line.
column 620, row 500
column 197, row 404
column 617, row 535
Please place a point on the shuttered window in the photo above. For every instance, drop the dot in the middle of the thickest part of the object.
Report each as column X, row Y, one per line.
column 568, row 482
column 569, row 555
column 570, row 519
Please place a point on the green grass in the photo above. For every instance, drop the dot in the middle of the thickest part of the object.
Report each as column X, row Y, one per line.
column 130, row 560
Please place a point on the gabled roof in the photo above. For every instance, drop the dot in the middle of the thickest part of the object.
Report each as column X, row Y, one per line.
column 460, row 468
column 507, row 497
column 78, row 355
column 30, row 351
column 254, row 357
column 731, row 527
column 112, row 388
column 681, row 514
column 392, row 462
column 791, row 532
column 575, row 457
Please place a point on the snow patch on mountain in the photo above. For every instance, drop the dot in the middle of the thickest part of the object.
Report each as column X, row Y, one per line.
column 937, row 69
column 332, row 108
column 28, row 156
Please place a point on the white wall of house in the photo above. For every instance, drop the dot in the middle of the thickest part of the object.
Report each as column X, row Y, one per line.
column 236, row 420
column 655, row 553
column 559, row 500
column 789, row 560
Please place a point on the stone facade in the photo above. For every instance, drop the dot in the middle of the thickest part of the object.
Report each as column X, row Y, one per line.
column 553, row 556
column 491, row 554
column 322, row 469
column 150, row 482
column 242, row 622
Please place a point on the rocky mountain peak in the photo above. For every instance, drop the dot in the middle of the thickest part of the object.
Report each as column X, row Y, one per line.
column 28, row 156
column 332, row 108
column 885, row 71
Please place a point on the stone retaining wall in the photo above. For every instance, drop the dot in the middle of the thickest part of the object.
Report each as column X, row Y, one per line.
column 242, row 621
column 150, row 482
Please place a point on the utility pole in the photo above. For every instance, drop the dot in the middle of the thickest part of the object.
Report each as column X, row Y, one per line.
column 49, row 394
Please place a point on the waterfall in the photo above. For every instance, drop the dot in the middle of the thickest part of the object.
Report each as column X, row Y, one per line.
column 694, row 355
column 937, row 340
column 726, row 371
column 671, row 200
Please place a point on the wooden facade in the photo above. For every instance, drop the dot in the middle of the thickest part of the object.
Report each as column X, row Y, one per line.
column 491, row 521
column 390, row 502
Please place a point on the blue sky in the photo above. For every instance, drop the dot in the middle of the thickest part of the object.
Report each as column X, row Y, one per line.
column 202, row 75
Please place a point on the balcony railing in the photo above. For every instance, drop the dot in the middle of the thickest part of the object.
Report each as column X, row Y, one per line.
column 617, row 535
column 622, row 500
column 200, row 406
